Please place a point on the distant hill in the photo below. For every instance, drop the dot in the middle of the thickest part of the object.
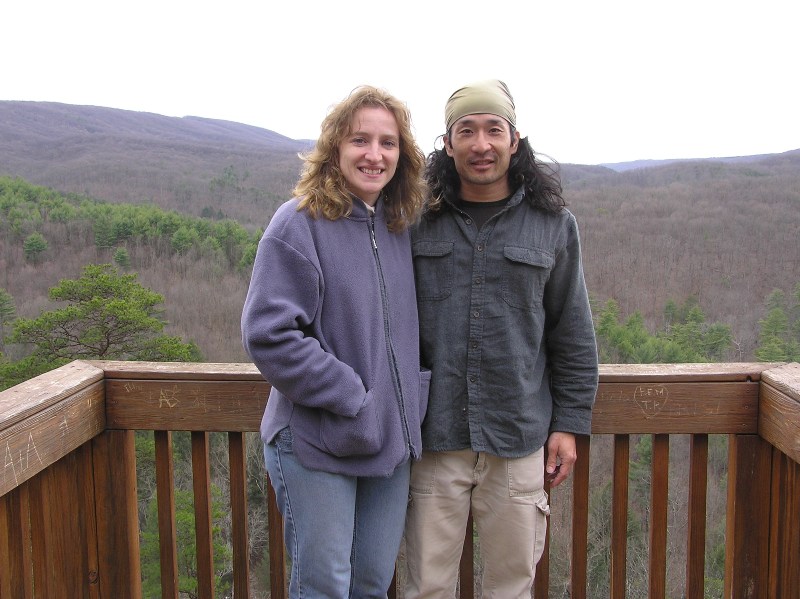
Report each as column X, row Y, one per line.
column 196, row 165
column 621, row 167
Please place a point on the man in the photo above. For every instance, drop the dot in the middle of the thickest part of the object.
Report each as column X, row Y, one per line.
column 506, row 329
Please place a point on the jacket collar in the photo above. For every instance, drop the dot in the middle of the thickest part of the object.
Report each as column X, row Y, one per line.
column 360, row 210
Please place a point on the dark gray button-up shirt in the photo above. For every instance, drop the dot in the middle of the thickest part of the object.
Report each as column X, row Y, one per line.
column 505, row 327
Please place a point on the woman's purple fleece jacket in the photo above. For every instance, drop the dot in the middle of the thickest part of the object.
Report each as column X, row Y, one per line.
column 330, row 320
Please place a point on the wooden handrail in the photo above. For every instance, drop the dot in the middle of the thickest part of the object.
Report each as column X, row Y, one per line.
column 47, row 418
column 69, row 474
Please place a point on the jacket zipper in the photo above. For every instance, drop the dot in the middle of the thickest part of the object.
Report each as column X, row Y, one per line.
column 387, row 332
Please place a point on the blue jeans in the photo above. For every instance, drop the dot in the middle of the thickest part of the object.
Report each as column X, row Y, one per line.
column 342, row 533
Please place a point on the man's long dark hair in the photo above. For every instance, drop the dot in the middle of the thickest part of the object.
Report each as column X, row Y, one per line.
column 541, row 180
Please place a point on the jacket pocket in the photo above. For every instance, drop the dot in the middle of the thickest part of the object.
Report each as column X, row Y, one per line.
column 433, row 269
column 361, row 434
column 424, row 392
column 525, row 273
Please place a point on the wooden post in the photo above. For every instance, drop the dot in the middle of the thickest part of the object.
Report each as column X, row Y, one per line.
column 747, row 534
column 114, row 457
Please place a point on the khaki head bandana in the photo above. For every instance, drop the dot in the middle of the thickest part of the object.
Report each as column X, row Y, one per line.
column 484, row 97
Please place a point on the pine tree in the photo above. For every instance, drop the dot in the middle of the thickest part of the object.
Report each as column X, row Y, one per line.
column 108, row 316
column 779, row 329
column 34, row 246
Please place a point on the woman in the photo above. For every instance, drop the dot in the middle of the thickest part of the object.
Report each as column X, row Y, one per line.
column 330, row 320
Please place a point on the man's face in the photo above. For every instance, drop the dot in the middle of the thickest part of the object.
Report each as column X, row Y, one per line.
column 481, row 146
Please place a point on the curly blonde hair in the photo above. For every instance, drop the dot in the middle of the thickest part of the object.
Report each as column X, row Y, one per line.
column 322, row 186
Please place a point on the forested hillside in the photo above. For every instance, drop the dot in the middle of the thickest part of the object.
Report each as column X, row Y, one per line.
column 725, row 234
column 722, row 233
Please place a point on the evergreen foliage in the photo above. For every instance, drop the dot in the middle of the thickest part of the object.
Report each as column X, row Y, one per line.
column 686, row 337
column 779, row 333
column 108, row 316
column 34, row 246
column 24, row 208
column 122, row 258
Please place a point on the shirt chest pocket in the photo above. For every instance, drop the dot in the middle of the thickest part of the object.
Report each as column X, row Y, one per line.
column 433, row 269
column 525, row 273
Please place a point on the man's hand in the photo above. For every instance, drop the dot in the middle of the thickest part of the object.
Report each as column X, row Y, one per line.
column 561, row 457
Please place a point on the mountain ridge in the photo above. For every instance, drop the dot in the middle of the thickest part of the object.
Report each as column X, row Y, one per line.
column 622, row 167
column 47, row 119
column 192, row 164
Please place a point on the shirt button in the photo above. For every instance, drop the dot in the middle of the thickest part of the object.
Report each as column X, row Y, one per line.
column 474, row 345
column 472, row 379
column 476, row 314
column 477, row 280
column 468, row 221
column 480, row 247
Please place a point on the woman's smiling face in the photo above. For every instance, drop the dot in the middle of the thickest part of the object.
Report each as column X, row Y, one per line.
column 369, row 153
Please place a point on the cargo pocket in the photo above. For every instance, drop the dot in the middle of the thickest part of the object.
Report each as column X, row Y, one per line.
column 542, row 512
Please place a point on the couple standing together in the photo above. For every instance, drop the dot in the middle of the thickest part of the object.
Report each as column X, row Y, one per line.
column 427, row 333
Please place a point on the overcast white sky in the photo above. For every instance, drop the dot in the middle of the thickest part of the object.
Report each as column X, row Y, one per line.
column 594, row 81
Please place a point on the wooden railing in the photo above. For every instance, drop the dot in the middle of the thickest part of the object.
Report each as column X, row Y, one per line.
column 68, row 500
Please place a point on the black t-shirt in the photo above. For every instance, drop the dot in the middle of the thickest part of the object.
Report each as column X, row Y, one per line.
column 480, row 212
